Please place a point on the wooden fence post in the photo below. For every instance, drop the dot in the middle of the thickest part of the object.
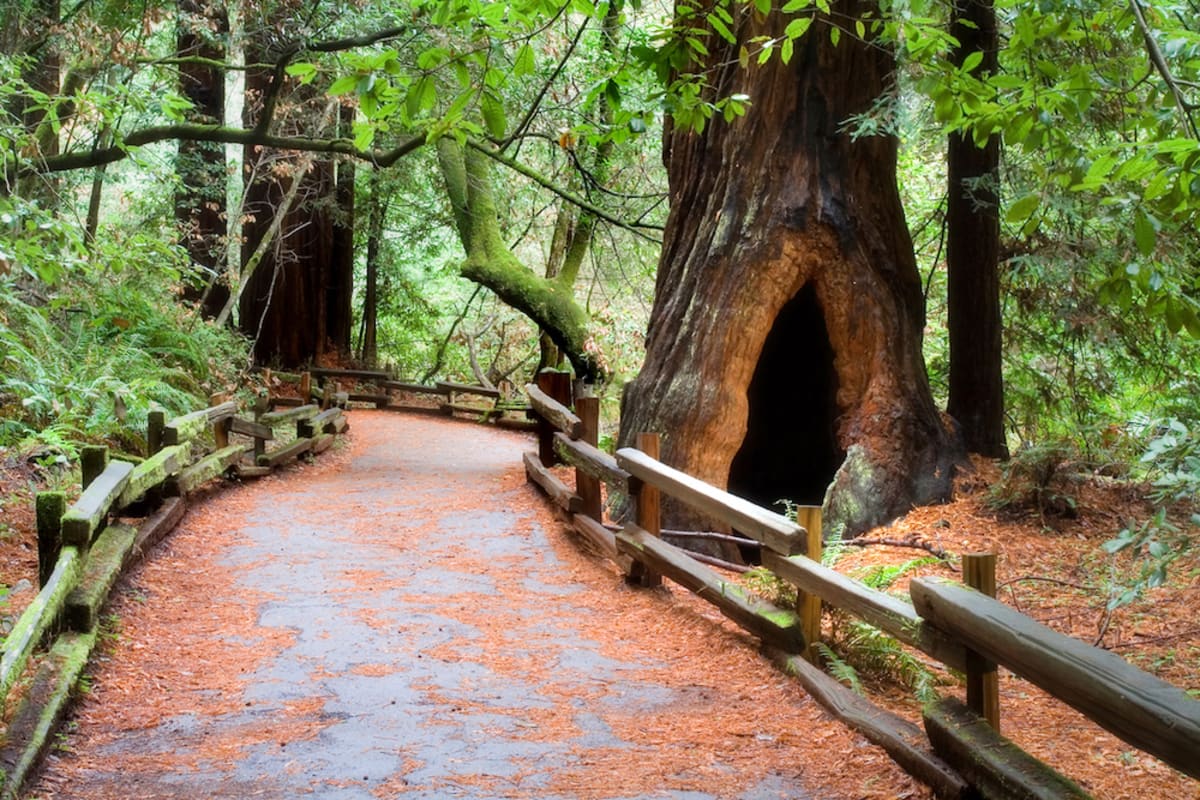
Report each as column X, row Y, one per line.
column 50, row 508
column 92, row 461
column 648, row 512
column 586, row 486
column 808, row 605
column 305, row 387
column 220, row 429
column 558, row 386
column 983, row 685
column 156, row 421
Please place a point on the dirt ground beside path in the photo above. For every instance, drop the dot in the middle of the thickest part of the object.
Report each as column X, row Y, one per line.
column 408, row 619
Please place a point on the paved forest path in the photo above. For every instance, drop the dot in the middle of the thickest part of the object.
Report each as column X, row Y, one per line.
column 408, row 619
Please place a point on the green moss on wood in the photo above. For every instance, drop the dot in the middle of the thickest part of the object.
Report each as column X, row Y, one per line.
column 30, row 733
column 104, row 564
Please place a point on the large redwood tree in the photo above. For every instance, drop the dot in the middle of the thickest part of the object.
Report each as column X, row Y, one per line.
column 783, row 357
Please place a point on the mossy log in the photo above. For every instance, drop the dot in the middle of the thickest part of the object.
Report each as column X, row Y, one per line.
column 105, row 560
column 775, row 626
column 275, row 418
column 322, row 443
column 555, row 489
column 378, row 400
column 86, row 515
column 1143, row 710
column 30, row 733
column 995, row 766
column 902, row 740
column 207, row 468
column 191, row 426
column 153, row 472
column 775, row 531
column 890, row 614
column 253, row 471
column 38, row 617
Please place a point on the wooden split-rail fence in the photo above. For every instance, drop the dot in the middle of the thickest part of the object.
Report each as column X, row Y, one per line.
column 960, row 752
column 83, row 548
column 485, row 404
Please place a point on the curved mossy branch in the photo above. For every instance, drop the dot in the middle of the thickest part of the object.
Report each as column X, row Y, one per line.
column 490, row 263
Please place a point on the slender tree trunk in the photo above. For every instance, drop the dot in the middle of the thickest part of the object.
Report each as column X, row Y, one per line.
column 200, row 199
column 377, row 212
column 43, row 74
column 339, row 281
column 972, row 257
column 784, row 348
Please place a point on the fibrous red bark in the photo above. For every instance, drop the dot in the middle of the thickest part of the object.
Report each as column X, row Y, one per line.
column 783, row 220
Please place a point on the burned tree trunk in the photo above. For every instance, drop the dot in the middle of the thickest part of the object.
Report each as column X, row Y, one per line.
column 784, row 349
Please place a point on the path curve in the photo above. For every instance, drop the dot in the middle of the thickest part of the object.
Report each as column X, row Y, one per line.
column 408, row 619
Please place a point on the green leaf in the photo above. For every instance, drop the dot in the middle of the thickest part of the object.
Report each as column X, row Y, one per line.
column 835, row 36
column 972, row 61
column 493, row 115
column 1144, row 233
column 305, row 72
column 785, row 50
column 343, row 85
column 721, row 28
column 1023, row 208
column 763, row 6
column 797, row 27
column 525, row 61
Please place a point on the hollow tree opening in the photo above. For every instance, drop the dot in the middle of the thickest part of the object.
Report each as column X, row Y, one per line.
column 790, row 451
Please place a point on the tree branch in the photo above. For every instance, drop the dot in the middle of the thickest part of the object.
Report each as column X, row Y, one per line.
column 636, row 228
column 208, row 133
column 1164, row 71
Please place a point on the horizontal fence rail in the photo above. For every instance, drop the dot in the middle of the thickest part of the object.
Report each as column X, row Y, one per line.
column 959, row 754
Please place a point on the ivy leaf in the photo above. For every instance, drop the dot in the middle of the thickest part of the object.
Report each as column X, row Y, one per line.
column 304, row 71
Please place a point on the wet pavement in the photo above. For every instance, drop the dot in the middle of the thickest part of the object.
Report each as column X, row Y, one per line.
column 427, row 640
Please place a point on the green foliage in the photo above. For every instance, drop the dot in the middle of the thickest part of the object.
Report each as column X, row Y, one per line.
column 1042, row 477
column 1172, row 461
column 856, row 648
column 88, row 358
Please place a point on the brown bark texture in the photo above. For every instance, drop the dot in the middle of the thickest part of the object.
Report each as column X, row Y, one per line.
column 200, row 198
column 972, row 258
column 777, row 201
column 296, row 304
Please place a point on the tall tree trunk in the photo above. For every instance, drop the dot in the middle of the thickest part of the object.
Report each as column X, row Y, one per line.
column 339, row 280
column 784, row 349
column 33, row 37
column 972, row 257
column 377, row 211
column 286, row 303
column 200, row 198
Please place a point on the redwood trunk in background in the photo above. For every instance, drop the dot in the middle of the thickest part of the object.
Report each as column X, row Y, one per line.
column 296, row 305
column 784, row 348
column 200, row 198
column 972, row 258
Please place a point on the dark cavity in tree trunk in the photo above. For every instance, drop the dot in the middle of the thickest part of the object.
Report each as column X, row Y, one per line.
column 790, row 452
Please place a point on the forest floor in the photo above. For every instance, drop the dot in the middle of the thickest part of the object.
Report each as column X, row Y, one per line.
column 710, row 716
